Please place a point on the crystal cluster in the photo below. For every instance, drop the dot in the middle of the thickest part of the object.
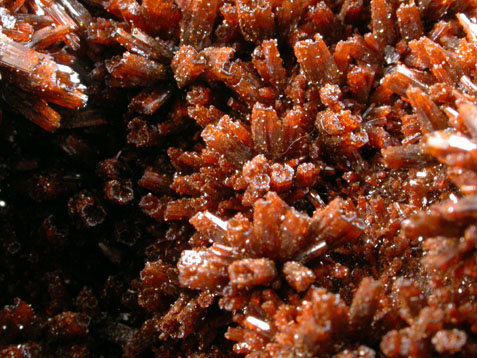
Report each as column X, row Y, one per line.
column 238, row 178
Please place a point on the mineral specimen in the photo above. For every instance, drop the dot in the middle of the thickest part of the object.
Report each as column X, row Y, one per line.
column 238, row 178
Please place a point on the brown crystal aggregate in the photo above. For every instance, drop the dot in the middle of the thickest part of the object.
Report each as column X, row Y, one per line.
column 238, row 178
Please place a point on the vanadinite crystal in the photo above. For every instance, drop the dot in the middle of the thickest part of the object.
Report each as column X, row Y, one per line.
column 238, row 178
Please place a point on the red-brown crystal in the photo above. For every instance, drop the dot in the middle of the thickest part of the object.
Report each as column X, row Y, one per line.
column 238, row 178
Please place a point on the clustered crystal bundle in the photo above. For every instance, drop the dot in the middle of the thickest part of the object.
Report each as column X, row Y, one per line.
column 238, row 178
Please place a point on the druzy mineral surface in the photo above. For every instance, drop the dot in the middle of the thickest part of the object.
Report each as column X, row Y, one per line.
column 238, row 178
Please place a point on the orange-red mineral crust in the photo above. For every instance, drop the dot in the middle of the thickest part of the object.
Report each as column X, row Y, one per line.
column 238, row 178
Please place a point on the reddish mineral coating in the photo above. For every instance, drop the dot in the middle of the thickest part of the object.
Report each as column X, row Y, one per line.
column 238, row 178
column 298, row 276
